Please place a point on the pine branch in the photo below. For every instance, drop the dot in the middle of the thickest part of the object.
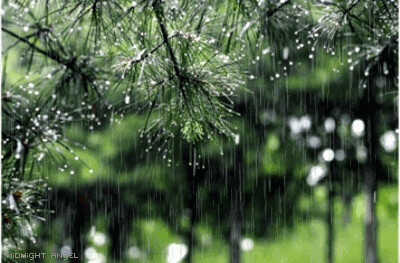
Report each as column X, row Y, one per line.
column 70, row 64
column 148, row 54
column 158, row 11
column 276, row 9
column 387, row 9
column 352, row 6
column 25, row 40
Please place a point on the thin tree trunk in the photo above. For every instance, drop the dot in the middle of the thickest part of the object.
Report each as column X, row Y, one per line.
column 369, row 110
column 370, row 217
column 192, row 209
column 115, row 235
column 235, row 234
column 190, row 237
column 235, row 224
column 346, row 200
column 330, row 217
column 118, row 228
column 78, row 233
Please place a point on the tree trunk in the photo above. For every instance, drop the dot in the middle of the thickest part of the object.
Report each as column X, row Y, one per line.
column 235, row 234
column 118, row 227
column 330, row 217
column 346, row 200
column 368, row 112
column 192, row 209
column 370, row 217
column 79, row 233
column 190, row 238
column 235, row 222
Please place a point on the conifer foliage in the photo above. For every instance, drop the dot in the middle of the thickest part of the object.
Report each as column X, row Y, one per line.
column 96, row 61
column 180, row 63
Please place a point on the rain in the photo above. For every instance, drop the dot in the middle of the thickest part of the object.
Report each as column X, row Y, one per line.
column 185, row 131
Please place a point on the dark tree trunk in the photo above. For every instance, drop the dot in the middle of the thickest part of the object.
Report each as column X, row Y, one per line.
column 330, row 216
column 190, row 237
column 369, row 108
column 346, row 200
column 235, row 234
column 192, row 209
column 118, row 228
column 235, row 220
column 115, row 231
column 370, row 217
column 78, row 232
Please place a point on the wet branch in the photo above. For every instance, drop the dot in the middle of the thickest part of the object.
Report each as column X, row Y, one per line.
column 158, row 11
column 70, row 64
column 276, row 9
column 352, row 6
column 151, row 52
column 25, row 40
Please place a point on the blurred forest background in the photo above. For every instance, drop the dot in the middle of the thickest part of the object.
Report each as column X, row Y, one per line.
column 200, row 131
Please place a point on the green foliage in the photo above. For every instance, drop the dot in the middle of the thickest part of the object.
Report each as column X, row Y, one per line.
column 22, row 210
column 95, row 92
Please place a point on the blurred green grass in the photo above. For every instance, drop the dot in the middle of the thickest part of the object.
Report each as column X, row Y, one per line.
column 304, row 243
